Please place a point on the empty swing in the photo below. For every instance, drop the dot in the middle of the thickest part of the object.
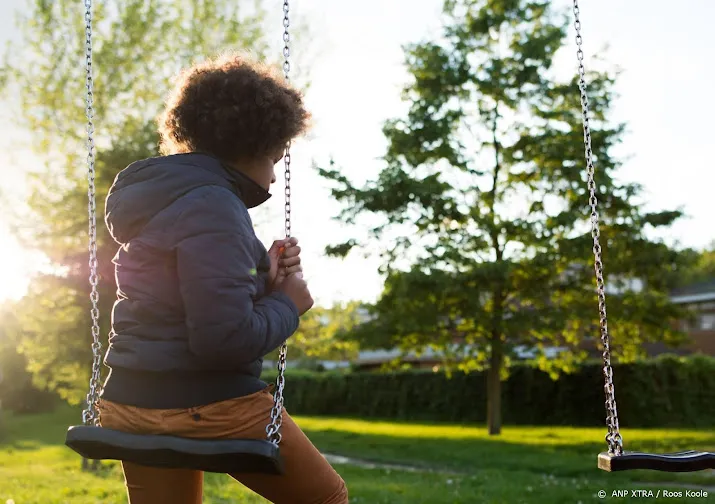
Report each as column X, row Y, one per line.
column 221, row 456
column 615, row 459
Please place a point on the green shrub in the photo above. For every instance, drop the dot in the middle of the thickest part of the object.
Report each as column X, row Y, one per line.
column 665, row 392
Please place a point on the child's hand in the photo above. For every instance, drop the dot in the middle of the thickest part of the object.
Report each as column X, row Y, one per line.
column 297, row 290
column 285, row 259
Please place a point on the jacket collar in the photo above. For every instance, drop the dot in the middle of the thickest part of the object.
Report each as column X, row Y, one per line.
column 249, row 191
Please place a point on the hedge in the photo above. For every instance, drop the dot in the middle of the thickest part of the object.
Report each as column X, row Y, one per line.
column 665, row 392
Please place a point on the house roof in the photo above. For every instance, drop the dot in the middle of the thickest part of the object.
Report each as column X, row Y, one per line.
column 694, row 293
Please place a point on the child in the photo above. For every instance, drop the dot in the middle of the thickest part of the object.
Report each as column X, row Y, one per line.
column 200, row 300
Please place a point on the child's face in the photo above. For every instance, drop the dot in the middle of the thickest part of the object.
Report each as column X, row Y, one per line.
column 262, row 170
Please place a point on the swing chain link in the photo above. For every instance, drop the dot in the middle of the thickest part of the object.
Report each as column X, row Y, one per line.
column 613, row 438
column 90, row 416
column 273, row 429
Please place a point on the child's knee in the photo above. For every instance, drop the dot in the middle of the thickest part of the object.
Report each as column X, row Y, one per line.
column 340, row 496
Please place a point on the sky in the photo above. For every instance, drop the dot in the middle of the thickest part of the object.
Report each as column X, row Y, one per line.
column 356, row 75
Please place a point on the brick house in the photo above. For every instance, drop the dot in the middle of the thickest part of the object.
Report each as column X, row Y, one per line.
column 700, row 298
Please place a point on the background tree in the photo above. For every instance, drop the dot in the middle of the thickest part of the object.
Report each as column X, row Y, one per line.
column 323, row 335
column 320, row 333
column 700, row 267
column 484, row 202
column 138, row 46
column 18, row 393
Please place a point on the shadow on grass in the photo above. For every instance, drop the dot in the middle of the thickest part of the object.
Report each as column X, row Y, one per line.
column 28, row 431
column 461, row 455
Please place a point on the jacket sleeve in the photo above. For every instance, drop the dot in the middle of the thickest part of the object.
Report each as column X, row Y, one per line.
column 218, row 284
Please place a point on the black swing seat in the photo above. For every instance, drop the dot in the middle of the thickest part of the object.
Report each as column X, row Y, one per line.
column 686, row 461
column 218, row 456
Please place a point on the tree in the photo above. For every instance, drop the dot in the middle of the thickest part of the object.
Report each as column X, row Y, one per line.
column 138, row 46
column 700, row 267
column 17, row 390
column 483, row 201
column 322, row 330
column 324, row 334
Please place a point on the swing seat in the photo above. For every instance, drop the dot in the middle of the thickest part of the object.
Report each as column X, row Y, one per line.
column 686, row 461
column 217, row 456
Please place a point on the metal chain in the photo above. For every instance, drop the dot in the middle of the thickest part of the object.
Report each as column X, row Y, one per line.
column 613, row 438
column 90, row 416
column 273, row 429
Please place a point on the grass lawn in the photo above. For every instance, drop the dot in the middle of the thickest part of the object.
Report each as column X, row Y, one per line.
column 461, row 464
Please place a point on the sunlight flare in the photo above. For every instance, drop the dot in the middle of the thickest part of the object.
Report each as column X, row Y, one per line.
column 16, row 267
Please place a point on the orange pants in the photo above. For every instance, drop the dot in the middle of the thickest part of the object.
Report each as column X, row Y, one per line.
column 308, row 478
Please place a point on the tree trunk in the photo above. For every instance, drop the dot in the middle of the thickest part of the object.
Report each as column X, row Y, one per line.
column 497, row 346
column 90, row 465
column 494, row 387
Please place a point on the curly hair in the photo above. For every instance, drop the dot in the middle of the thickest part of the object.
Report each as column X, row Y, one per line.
column 233, row 108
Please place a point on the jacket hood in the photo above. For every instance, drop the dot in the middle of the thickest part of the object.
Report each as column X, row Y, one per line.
column 146, row 187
